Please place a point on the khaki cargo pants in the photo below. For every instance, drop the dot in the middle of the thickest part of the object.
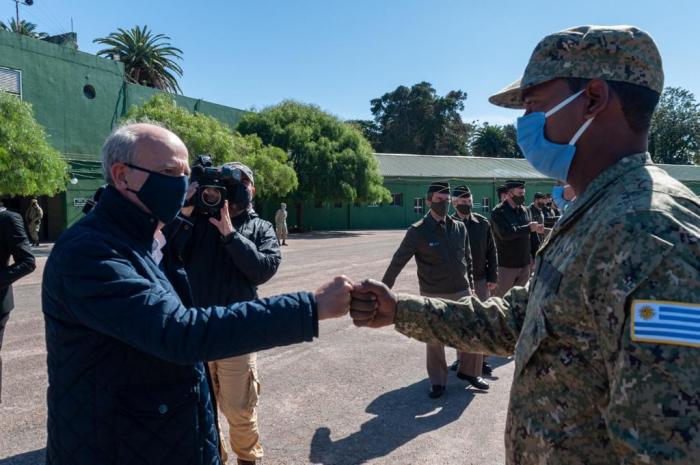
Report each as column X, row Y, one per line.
column 236, row 386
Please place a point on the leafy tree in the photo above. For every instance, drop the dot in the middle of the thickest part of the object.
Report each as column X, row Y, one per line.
column 333, row 161
column 24, row 28
column 204, row 134
column 29, row 166
column 495, row 141
column 149, row 59
column 512, row 134
column 368, row 128
column 675, row 128
column 417, row 120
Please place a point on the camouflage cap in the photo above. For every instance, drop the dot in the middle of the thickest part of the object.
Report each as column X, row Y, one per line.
column 614, row 53
column 244, row 169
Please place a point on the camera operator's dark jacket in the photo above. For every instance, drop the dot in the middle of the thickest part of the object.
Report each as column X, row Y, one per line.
column 221, row 272
column 126, row 382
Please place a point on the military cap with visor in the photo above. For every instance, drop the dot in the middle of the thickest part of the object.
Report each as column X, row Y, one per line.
column 514, row 184
column 461, row 191
column 440, row 187
column 613, row 53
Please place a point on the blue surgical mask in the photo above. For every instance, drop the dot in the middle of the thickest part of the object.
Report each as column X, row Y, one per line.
column 162, row 195
column 550, row 159
column 558, row 198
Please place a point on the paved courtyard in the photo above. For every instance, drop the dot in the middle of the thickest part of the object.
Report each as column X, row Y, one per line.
column 353, row 396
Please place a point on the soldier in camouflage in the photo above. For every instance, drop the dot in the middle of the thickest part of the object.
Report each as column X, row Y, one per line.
column 606, row 334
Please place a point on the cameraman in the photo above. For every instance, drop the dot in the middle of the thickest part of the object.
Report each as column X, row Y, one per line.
column 225, row 260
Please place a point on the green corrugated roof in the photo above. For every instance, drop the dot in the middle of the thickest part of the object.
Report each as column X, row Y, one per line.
column 447, row 166
column 395, row 165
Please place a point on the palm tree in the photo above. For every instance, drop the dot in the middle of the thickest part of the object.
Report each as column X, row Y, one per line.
column 149, row 59
column 24, row 28
column 492, row 141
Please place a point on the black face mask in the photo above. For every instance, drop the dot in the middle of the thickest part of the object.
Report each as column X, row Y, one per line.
column 464, row 209
column 440, row 208
column 519, row 199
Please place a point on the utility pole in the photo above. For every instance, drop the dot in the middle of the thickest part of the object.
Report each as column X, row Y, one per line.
column 23, row 2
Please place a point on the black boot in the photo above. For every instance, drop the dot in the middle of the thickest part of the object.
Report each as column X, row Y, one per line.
column 436, row 391
column 476, row 381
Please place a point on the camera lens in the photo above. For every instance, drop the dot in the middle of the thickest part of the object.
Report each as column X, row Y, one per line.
column 211, row 197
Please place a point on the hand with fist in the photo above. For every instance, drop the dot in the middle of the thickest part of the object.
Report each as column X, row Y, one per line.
column 333, row 298
column 373, row 304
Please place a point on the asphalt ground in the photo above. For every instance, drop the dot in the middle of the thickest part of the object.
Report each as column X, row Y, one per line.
column 353, row 396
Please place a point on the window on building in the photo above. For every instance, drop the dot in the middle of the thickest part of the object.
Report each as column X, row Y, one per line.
column 396, row 200
column 419, row 205
column 486, row 204
column 11, row 81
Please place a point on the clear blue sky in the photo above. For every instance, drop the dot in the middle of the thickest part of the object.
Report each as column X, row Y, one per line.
column 341, row 54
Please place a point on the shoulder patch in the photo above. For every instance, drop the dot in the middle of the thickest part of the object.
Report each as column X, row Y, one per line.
column 664, row 322
column 417, row 223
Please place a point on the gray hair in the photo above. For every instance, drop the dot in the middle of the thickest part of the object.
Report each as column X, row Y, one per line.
column 120, row 146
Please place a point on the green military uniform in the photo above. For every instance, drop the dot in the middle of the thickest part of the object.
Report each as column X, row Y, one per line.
column 514, row 241
column 483, row 247
column 442, row 253
column 444, row 261
column 606, row 336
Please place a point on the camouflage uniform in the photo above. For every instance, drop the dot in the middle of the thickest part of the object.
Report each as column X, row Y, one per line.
column 588, row 387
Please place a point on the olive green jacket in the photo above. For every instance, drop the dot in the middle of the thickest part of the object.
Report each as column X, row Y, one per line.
column 442, row 253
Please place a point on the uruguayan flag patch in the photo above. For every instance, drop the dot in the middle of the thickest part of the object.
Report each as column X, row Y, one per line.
column 663, row 322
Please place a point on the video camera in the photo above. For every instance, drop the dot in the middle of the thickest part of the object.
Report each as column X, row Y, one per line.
column 216, row 184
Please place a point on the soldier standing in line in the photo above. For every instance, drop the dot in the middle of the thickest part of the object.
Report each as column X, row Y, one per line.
column 501, row 193
column 551, row 212
column 443, row 255
column 484, row 257
column 513, row 226
column 33, row 218
column 536, row 210
column 606, row 334
column 281, row 224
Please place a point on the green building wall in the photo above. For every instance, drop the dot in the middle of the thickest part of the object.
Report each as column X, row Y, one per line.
column 335, row 216
column 54, row 80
